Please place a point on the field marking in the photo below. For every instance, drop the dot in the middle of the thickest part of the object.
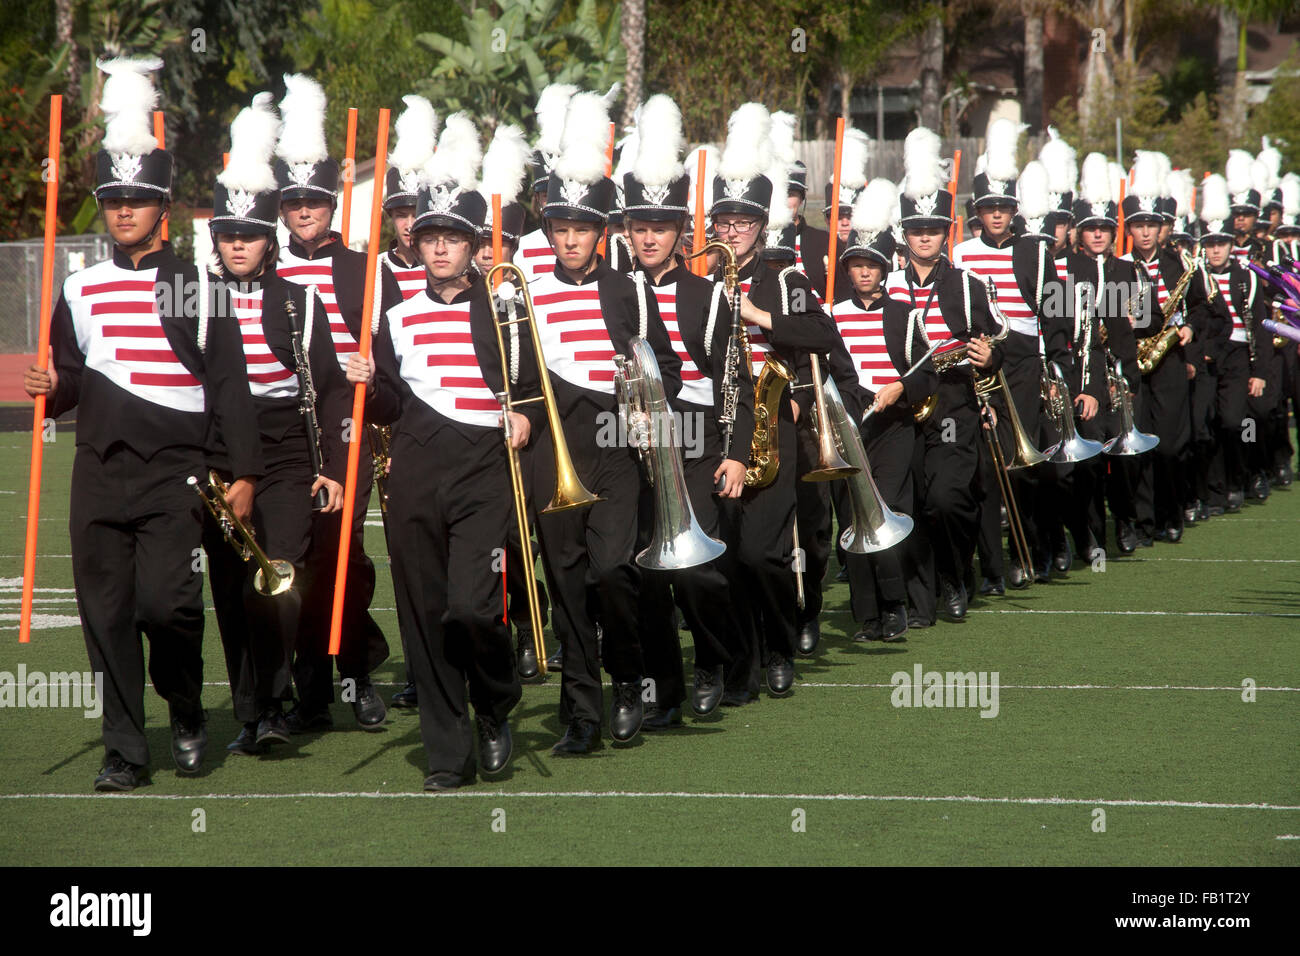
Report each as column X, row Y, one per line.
column 1281, row 614
column 662, row 795
column 1289, row 836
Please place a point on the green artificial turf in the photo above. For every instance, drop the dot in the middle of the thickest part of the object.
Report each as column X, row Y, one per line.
column 1096, row 707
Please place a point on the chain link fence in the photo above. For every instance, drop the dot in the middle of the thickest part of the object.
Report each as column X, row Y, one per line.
column 20, row 283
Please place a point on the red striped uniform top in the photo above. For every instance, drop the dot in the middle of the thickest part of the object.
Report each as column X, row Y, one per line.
column 1225, row 289
column 759, row 346
column 434, row 345
column 863, row 331
column 535, row 255
column 115, row 315
column 574, row 337
column 697, row 387
column 982, row 260
column 1241, row 254
column 936, row 327
column 320, row 273
column 267, row 375
column 1155, row 275
column 410, row 279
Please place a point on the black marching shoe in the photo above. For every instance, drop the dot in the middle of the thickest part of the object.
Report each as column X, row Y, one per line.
column 406, row 698
column 1062, row 559
column 445, row 780
column 916, row 620
column 525, row 656
column 555, row 663
column 871, row 631
column 119, row 776
column 189, row 739
column 1017, row 579
column 1203, row 513
column 1235, row 500
column 810, row 635
column 661, row 718
column 246, row 744
column 952, row 600
column 1145, row 540
column 738, row 698
column 1126, row 537
column 1161, row 534
column 1174, row 533
column 1258, row 487
column 275, row 727
column 1190, row 515
column 893, row 623
column 626, row 712
column 369, row 707
column 992, row 586
column 494, row 743
column 708, row 690
column 1282, row 476
column 581, row 737
column 780, row 675
column 1043, row 570
column 300, row 720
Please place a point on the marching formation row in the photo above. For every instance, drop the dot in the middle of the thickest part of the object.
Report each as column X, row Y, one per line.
column 530, row 394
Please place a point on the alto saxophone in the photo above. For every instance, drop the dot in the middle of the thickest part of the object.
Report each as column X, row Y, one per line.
column 1151, row 352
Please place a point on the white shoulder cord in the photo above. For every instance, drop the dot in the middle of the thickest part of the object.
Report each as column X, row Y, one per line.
column 915, row 326
column 713, row 319
column 202, row 337
column 1038, row 299
column 310, row 322
column 965, row 289
column 785, row 303
column 376, row 297
column 639, row 279
column 1251, row 297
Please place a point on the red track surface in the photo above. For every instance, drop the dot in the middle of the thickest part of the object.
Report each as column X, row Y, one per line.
column 11, row 377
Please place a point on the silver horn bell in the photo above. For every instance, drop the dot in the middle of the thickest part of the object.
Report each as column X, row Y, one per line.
column 1061, row 409
column 1129, row 441
column 678, row 541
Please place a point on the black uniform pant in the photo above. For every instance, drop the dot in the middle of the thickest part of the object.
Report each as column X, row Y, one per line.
column 703, row 592
column 1283, row 449
column 588, row 557
column 135, row 529
column 1161, row 489
column 813, row 515
column 761, row 533
column 258, row 631
column 950, row 486
column 1085, row 510
column 1237, row 433
column 362, row 646
column 1202, row 394
column 878, row 580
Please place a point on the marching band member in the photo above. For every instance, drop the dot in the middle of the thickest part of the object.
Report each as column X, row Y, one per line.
column 697, row 317
column 437, row 365
column 586, row 313
column 316, row 256
column 882, row 342
column 781, row 316
column 150, row 384
column 953, row 305
column 257, row 630
column 1240, row 353
column 1245, row 205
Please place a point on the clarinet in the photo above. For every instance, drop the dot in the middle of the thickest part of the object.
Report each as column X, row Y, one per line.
column 307, row 393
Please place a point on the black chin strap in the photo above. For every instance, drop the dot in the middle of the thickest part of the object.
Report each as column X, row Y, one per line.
column 148, row 239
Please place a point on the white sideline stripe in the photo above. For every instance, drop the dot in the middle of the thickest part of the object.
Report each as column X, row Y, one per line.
column 1289, row 836
column 661, row 795
column 1228, row 560
column 1136, row 613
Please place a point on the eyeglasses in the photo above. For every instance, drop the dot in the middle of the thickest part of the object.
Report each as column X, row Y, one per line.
column 451, row 240
column 737, row 226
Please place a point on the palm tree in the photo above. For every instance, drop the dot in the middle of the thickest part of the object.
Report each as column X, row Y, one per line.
column 632, row 31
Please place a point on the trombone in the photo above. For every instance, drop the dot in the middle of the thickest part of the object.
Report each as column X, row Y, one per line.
column 274, row 576
column 569, row 490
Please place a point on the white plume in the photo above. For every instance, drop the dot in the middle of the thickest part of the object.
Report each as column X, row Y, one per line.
column 417, row 132
column 1118, row 181
column 611, row 95
column 748, row 150
column 551, row 107
column 302, row 137
column 875, row 209
column 981, row 164
column 1260, row 179
column 505, row 164
column 584, row 145
column 1237, row 172
column 252, row 144
column 1094, row 181
column 1165, row 167
column 1272, row 161
column 779, row 213
column 1061, row 161
column 458, row 155
column 1290, row 196
column 711, row 159
column 128, row 103
column 853, row 163
column 921, row 164
column 1147, row 180
column 783, row 156
column 1183, row 189
column 659, row 150
column 1000, row 148
column 1215, row 205
column 630, row 144
column 1031, row 186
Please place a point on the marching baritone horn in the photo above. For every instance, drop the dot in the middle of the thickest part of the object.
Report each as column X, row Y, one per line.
column 274, row 576
column 1061, row 409
column 1129, row 441
column 678, row 540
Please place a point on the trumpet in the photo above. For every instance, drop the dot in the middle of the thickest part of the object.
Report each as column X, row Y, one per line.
column 274, row 576
column 678, row 541
column 569, row 490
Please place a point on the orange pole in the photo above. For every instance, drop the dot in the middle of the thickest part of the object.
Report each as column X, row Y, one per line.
column 833, row 225
column 42, row 357
column 496, row 232
column 961, row 226
column 368, row 305
column 349, row 174
column 952, row 188
column 699, row 266
column 609, row 171
column 225, row 160
column 160, row 134
column 1121, row 241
